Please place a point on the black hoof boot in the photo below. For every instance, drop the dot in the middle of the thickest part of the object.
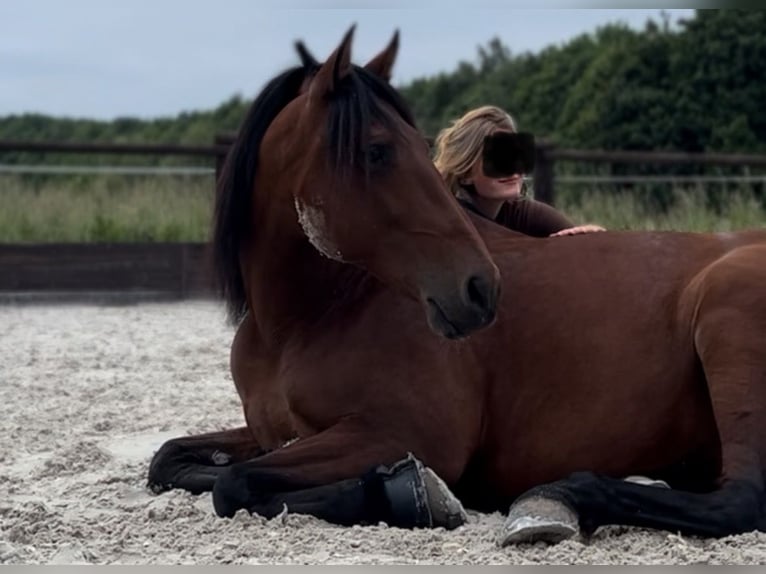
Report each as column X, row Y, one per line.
column 418, row 498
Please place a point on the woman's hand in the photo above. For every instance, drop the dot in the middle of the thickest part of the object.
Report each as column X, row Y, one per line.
column 578, row 230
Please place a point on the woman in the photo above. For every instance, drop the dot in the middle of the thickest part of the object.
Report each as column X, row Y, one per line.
column 459, row 159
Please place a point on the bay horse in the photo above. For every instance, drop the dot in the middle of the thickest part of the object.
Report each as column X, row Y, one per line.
column 393, row 347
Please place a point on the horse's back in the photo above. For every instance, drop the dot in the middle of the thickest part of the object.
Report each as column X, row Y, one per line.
column 645, row 270
column 600, row 278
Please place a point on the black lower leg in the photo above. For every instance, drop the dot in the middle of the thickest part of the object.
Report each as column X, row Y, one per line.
column 346, row 502
column 395, row 495
column 735, row 508
column 190, row 463
column 176, row 467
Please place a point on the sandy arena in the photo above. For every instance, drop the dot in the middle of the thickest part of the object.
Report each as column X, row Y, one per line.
column 87, row 393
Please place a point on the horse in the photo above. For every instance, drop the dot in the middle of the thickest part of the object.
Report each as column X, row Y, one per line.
column 394, row 349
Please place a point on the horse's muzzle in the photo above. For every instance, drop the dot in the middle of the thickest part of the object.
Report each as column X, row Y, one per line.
column 455, row 317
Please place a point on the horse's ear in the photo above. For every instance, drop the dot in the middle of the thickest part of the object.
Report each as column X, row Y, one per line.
column 307, row 59
column 337, row 67
column 382, row 64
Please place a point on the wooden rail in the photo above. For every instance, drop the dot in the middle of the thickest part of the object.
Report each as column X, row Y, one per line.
column 169, row 270
column 548, row 154
column 216, row 152
column 113, row 148
column 656, row 157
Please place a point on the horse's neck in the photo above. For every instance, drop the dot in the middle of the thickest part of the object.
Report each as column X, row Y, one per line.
column 291, row 292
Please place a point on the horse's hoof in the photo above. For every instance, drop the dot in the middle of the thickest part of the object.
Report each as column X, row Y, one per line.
column 157, row 480
column 230, row 492
column 158, row 487
column 538, row 519
column 446, row 509
column 418, row 497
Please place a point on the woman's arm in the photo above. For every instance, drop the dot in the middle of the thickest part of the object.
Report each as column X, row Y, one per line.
column 533, row 218
column 539, row 219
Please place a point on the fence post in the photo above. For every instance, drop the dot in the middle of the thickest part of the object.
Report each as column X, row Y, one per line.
column 183, row 287
column 543, row 176
column 223, row 141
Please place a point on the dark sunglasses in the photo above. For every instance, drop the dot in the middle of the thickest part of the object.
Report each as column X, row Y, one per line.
column 507, row 154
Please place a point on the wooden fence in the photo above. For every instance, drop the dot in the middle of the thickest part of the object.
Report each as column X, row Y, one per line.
column 180, row 270
column 88, row 270
column 216, row 152
column 548, row 155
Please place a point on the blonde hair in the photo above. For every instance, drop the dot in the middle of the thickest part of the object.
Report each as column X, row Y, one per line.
column 459, row 146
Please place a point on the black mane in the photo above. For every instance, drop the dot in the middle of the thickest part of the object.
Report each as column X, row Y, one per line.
column 355, row 105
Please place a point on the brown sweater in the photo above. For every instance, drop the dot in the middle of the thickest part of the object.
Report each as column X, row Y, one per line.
column 527, row 216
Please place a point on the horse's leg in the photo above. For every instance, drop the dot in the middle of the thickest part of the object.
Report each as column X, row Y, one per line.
column 729, row 339
column 194, row 462
column 340, row 475
column 594, row 501
column 541, row 516
column 406, row 494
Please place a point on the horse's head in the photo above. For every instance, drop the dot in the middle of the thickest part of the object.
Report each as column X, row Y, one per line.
column 362, row 189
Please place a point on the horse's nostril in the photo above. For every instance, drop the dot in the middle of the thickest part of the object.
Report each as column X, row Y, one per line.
column 480, row 293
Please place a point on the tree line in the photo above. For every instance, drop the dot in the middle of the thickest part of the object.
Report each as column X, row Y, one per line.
column 699, row 85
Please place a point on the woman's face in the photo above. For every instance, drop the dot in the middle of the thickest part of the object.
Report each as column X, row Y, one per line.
column 495, row 188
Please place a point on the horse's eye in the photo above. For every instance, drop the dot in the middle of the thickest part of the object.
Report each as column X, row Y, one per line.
column 379, row 154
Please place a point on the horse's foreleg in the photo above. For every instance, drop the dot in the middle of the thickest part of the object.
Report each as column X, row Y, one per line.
column 342, row 476
column 405, row 494
column 193, row 463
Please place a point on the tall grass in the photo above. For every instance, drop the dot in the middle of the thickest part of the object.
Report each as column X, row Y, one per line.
column 685, row 209
column 105, row 208
column 111, row 208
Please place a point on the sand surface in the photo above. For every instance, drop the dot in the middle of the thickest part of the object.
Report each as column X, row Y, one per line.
column 87, row 393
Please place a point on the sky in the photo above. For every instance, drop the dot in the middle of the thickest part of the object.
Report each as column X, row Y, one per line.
column 103, row 59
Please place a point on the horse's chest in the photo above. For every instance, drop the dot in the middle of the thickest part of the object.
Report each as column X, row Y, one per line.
column 268, row 416
column 263, row 400
column 317, row 391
